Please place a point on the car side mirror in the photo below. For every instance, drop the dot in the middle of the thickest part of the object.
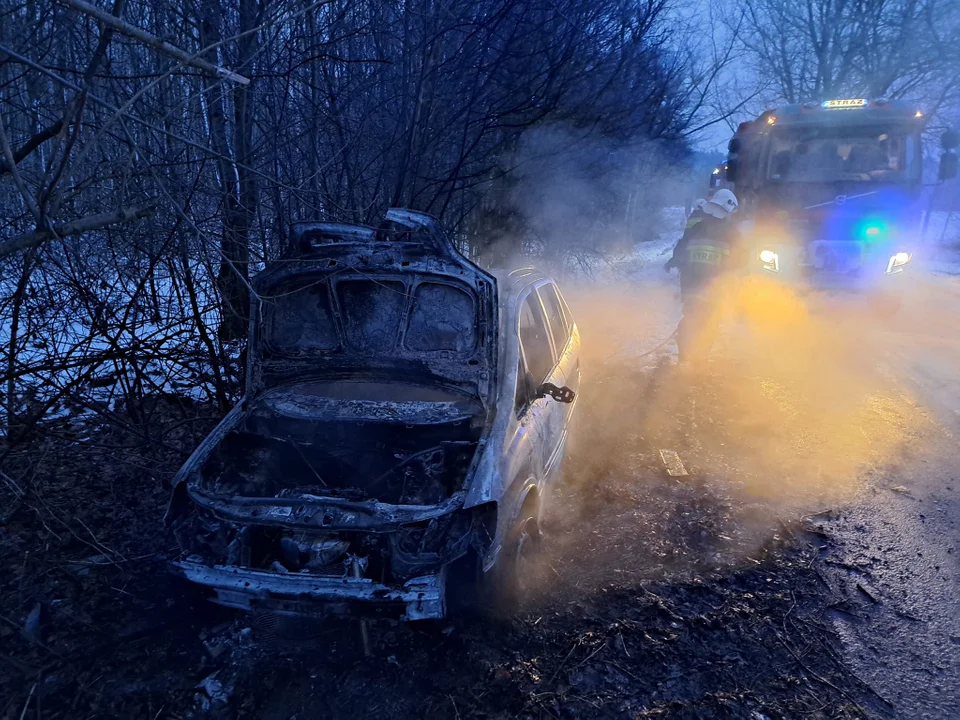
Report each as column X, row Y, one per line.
column 560, row 394
column 734, row 145
column 733, row 170
column 950, row 139
column 948, row 166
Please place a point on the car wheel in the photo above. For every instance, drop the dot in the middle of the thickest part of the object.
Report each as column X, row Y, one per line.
column 518, row 568
column 500, row 591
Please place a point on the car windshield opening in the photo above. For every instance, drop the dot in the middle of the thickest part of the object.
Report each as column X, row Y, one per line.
column 299, row 318
column 438, row 317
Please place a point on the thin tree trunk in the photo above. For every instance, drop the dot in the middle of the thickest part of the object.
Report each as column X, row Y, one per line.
column 12, row 415
column 234, row 241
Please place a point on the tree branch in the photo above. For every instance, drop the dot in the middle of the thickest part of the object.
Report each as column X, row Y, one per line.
column 151, row 41
column 32, row 144
column 28, row 199
column 77, row 227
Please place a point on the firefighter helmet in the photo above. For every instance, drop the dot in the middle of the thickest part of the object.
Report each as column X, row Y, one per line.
column 723, row 203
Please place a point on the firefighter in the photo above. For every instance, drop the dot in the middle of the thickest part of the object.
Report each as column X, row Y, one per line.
column 704, row 255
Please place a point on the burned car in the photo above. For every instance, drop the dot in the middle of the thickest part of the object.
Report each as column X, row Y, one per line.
column 404, row 414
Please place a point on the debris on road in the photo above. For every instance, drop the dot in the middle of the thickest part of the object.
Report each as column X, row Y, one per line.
column 673, row 463
column 867, row 594
column 31, row 626
column 213, row 692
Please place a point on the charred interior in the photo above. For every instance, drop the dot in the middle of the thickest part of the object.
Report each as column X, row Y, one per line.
column 411, row 446
column 384, row 557
column 347, row 460
column 316, row 441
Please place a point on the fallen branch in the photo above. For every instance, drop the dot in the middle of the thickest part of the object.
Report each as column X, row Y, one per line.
column 152, row 41
column 564, row 661
column 27, row 703
column 77, row 227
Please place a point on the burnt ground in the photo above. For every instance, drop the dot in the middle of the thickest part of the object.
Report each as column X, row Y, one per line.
column 695, row 596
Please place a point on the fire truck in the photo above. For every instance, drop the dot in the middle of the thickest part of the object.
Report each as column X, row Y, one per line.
column 832, row 193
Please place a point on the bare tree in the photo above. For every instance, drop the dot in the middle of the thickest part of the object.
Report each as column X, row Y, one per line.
column 814, row 49
column 143, row 181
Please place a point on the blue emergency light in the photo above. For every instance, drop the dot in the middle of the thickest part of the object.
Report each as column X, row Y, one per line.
column 873, row 229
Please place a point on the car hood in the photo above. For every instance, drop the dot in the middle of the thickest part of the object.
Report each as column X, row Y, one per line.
column 353, row 303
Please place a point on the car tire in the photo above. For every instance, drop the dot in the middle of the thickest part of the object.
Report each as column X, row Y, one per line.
column 499, row 592
column 516, row 571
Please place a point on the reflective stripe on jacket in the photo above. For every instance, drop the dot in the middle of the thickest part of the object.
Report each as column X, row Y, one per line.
column 707, row 254
column 704, row 252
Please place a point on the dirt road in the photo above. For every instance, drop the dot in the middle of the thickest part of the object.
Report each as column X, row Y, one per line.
column 895, row 563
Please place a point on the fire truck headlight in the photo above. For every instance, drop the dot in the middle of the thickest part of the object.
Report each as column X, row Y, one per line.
column 770, row 260
column 897, row 262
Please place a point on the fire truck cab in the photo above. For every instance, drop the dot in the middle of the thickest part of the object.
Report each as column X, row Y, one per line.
column 831, row 193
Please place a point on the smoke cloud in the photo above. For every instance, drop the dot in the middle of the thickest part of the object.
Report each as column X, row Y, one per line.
column 799, row 404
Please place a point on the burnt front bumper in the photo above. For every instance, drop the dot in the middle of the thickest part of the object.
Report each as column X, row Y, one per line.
column 306, row 594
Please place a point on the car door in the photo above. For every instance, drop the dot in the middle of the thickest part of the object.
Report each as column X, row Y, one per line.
column 565, row 372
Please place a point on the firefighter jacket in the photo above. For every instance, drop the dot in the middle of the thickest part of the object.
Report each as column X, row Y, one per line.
column 707, row 250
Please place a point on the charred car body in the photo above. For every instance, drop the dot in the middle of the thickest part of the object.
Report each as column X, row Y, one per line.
column 404, row 413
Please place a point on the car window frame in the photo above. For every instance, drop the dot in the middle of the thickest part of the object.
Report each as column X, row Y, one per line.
column 564, row 318
column 523, row 365
column 415, row 287
column 534, row 296
column 566, row 309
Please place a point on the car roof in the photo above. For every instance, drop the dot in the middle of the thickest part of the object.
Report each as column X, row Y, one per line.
column 511, row 283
